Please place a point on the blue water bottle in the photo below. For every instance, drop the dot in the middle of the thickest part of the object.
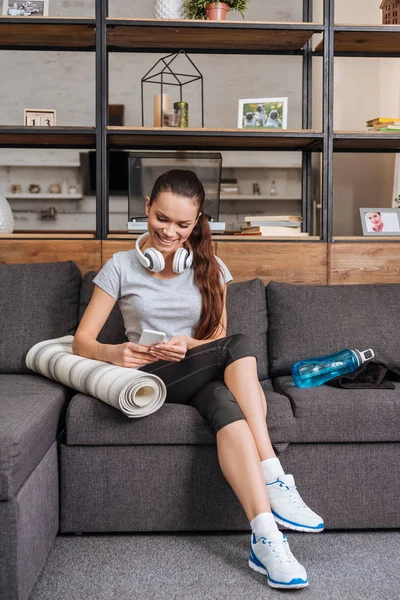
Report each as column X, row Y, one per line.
column 316, row 371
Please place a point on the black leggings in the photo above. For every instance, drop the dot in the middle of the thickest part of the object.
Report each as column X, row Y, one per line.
column 198, row 379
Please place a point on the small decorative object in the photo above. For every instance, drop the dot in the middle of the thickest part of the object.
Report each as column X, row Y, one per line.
column 171, row 118
column 55, row 188
column 390, row 12
column 272, row 189
column 163, row 73
column 36, row 8
column 6, row 216
column 380, row 221
column 116, row 115
column 170, row 9
column 214, row 11
column 16, row 188
column 34, row 188
column 183, row 108
column 256, row 189
column 37, row 117
column 162, row 102
column 64, row 187
column 72, row 189
column 263, row 113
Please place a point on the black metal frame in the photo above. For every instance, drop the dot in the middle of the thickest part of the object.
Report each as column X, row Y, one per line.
column 326, row 141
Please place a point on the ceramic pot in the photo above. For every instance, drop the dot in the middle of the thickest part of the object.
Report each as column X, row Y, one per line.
column 217, row 11
column 170, row 9
column 6, row 217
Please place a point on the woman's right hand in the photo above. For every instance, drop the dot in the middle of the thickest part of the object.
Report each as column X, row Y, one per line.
column 129, row 355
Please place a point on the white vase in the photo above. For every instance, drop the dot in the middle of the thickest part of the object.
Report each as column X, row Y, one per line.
column 6, row 217
column 170, row 9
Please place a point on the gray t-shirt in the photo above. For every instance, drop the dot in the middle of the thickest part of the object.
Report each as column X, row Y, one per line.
column 146, row 302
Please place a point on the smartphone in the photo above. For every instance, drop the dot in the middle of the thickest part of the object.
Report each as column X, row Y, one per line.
column 150, row 337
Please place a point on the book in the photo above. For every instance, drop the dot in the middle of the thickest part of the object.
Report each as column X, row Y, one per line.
column 274, row 218
column 388, row 124
column 258, row 224
column 378, row 120
column 391, row 128
column 248, row 233
column 281, row 231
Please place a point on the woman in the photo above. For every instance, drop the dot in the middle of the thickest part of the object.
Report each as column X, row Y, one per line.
column 173, row 283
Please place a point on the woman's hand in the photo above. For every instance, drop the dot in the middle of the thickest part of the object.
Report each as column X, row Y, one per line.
column 174, row 350
column 129, row 355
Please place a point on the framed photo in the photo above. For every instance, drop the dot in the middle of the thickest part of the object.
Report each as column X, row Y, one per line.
column 264, row 113
column 380, row 221
column 38, row 117
column 27, row 8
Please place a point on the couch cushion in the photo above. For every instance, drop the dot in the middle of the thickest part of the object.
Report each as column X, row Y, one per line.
column 242, row 298
column 91, row 422
column 38, row 302
column 31, row 415
column 306, row 321
column 328, row 414
column 247, row 313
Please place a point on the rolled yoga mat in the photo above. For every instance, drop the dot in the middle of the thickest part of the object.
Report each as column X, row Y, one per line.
column 135, row 393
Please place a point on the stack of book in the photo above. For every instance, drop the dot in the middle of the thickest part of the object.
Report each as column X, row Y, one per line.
column 381, row 124
column 229, row 187
column 271, row 225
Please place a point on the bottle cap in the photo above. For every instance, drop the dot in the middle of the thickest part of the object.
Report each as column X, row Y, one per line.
column 362, row 358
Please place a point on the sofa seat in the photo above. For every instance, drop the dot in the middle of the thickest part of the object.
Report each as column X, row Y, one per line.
column 31, row 414
column 91, row 422
column 329, row 414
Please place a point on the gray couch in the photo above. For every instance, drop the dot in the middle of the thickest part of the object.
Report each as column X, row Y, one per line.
column 70, row 463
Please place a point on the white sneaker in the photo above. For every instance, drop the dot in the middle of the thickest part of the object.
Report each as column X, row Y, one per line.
column 288, row 507
column 275, row 559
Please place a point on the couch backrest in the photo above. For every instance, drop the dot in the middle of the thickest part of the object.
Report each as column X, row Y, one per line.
column 246, row 311
column 314, row 320
column 37, row 302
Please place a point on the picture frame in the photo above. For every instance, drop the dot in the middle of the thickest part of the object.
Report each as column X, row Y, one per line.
column 26, row 8
column 263, row 113
column 39, row 117
column 380, row 221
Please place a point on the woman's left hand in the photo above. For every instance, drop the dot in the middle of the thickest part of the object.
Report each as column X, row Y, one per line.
column 174, row 350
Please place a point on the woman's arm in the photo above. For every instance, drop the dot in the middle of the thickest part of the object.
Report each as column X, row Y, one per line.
column 85, row 341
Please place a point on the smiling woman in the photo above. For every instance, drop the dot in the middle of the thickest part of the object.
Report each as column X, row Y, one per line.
column 172, row 282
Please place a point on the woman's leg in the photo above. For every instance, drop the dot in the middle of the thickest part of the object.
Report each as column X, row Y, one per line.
column 241, row 379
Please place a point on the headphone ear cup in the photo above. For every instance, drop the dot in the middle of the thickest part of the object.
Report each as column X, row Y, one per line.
column 180, row 262
column 156, row 260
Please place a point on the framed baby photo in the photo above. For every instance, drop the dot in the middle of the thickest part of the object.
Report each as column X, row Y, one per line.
column 263, row 113
column 27, row 8
column 380, row 221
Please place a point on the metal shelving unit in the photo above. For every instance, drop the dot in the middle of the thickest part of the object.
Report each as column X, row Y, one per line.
column 103, row 35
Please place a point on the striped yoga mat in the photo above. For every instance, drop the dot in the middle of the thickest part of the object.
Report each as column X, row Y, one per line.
column 135, row 393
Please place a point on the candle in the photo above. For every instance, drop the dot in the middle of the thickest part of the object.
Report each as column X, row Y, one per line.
column 166, row 105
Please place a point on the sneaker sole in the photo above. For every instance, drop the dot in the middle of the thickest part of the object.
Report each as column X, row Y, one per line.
column 296, row 527
column 284, row 586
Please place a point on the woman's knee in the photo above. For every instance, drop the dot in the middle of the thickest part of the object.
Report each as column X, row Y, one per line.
column 217, row 405
column 238, row 345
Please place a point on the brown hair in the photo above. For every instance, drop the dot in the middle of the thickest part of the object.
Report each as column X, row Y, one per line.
column 207, row 271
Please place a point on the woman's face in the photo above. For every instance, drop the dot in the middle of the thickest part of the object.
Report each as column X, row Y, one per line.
column 171, row 220
column 374, row 217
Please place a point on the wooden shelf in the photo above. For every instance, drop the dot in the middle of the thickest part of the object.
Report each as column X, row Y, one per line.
column 51, row 137
column 257, row 37
column 48, row 236
column 236, row 238
column 40, row 196
column 374, row 40
column 365, row 238
column 47, row 33
column 352, row 141
column 160, row 138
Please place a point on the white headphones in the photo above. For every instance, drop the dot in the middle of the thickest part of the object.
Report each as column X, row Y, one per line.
column 153, row 260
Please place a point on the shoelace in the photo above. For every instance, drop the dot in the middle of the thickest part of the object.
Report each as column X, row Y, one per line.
column 297, row 499
column 281, row 550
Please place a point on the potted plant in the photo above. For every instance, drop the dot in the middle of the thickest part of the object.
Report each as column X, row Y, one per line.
column 206, row 9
